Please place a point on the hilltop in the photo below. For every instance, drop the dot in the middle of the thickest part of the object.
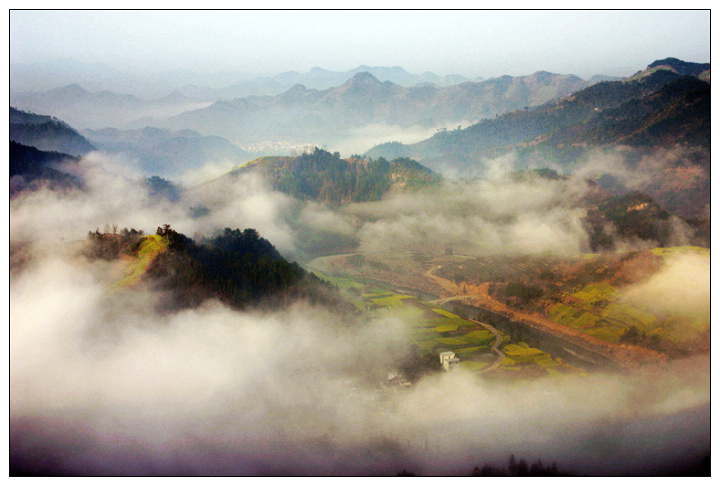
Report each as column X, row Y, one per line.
column 239, row 268
column 325, row 177
column 700, row 70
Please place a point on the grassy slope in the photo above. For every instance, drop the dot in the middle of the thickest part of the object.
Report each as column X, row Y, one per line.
column 149, row 248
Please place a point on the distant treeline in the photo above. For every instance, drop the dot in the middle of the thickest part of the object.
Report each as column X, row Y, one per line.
column 700, row 467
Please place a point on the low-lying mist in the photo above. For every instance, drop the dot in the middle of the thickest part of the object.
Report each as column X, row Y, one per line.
column 100, row 388
column 498, row 213
column 680, row 287
column 361, row 140
column 100, row 384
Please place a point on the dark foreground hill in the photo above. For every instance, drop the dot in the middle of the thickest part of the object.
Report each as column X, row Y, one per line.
column 239, row 268
column 31, row 168
column 38, row 145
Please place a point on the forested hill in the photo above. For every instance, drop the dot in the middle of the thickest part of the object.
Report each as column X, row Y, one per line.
column 46, row 133
column 38, row 145
column 239, row 268
column 31, row 168
column 325, row 177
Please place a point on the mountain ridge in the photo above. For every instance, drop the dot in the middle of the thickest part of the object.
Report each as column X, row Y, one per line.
column 301, row 113
column 47, row 133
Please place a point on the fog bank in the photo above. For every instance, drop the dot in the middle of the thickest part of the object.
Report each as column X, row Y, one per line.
column 102, row 385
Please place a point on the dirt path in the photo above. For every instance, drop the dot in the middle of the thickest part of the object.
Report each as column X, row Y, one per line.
column 495, row 347
column 451, row 288
column 448, row 287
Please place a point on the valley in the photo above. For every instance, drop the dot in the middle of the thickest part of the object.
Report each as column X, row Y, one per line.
column 600, row 347
column 286, row 270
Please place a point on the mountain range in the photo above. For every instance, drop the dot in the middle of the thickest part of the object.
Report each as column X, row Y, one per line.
column 96, row 110
column 664, row 107
column 223, row 85
column 656, row 106
column 302, row 113
column 661, row 107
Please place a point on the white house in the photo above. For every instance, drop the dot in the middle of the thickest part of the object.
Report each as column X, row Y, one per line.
column 448, row 361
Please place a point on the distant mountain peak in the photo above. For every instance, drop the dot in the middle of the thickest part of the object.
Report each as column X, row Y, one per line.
column 363, row 77
column 297, row 89
column 380, row 69
column 675, row 62
column 72, row 89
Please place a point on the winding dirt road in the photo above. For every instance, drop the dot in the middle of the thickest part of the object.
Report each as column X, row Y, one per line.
column 450, row 287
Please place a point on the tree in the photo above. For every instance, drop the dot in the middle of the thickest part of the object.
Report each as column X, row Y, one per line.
column 522, row 468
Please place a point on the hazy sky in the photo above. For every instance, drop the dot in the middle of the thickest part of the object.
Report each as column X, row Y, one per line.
column 471, row 43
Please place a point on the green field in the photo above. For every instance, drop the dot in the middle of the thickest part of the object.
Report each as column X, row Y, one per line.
column 445, row 328
column 443, row 312
column 432, row 328
column 593, row 293
column 391, row 300
column 677, row 250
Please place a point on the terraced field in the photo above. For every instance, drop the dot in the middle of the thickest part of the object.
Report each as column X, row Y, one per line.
column 434, row 329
